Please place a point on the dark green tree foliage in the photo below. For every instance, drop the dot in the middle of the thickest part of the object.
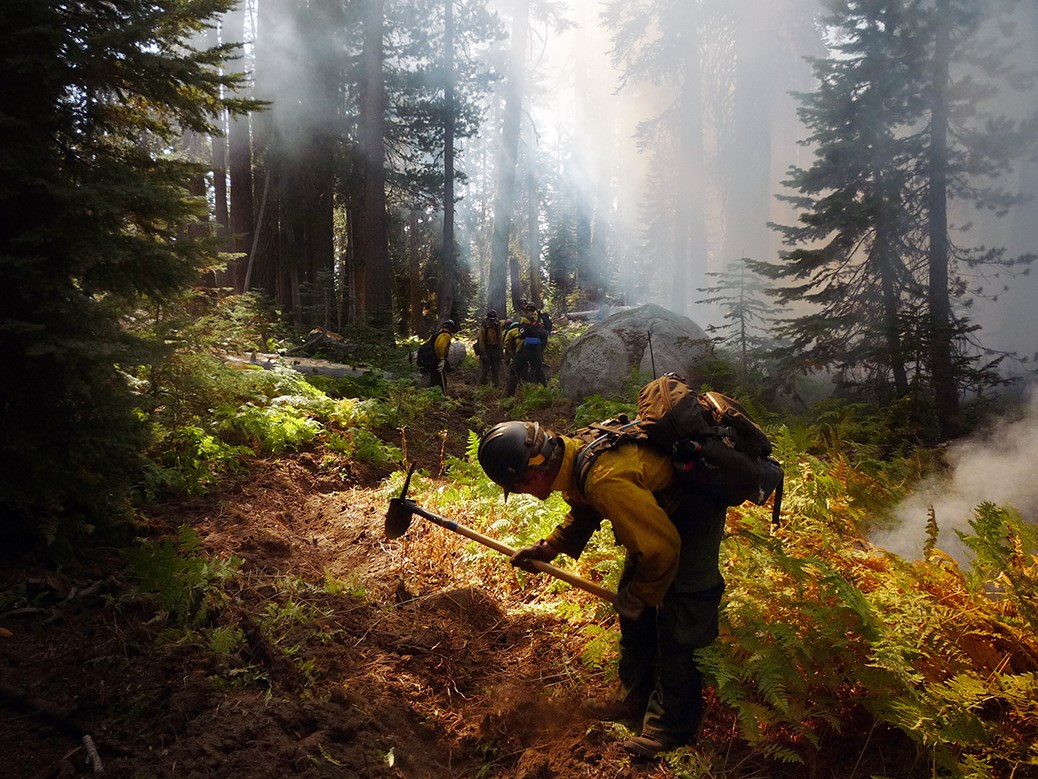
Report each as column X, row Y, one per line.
column 563, row 250
column 900, row 137
column 415, row 87
column 93, row 211
column 416, row 105
column 858, row 244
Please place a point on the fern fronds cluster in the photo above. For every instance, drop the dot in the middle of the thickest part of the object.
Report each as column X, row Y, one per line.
column 822, row 631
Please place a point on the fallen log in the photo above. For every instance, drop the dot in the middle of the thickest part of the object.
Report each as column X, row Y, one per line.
column 321, row 340
column 312, row 366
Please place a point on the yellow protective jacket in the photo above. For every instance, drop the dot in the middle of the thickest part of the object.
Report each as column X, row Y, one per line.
column 489, row 336
column 633, row 486
column 511, row 341
column 442, row 345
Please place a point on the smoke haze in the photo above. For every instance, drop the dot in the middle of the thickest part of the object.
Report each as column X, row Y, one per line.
column 750, row 141
column 997, row 468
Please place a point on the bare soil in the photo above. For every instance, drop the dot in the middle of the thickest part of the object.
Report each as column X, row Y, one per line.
column 415, row 665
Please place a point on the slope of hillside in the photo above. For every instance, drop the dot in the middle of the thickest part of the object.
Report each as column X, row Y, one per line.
column 329, row 652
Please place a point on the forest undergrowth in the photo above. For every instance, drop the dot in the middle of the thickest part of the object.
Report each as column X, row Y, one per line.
column 260, row 624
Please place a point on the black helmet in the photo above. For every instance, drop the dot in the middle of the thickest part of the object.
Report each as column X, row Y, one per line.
column 491, row 314
column 449, row 326
column 506, row 450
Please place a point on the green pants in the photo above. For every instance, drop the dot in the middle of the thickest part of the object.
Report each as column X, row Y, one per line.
column 657, row 651
column 527, row 365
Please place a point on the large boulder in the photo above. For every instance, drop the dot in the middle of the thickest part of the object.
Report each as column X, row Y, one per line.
column 603, row 359
column 456, row 353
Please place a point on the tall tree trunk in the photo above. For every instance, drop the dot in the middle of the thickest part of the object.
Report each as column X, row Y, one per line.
column 219, row 144
column 325, row 24
column 746, row 145
column 678, row 277
column 264, row 262
column 193, row 145
column 587, row 166
column 533, row 233
column 886, row 257
column 416, row 323
column 240, row 152
column 695, row 179
column 291, row 236
column 946, row 397
column 371, row 228
column 690, row 247
column 447, row 277
column 220, row 193
column 504, row 200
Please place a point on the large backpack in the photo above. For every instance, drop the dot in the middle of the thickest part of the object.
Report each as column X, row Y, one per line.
column 425, row 357
column 533, row 333
column 716, row 446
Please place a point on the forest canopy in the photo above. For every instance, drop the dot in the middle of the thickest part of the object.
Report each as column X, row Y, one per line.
column 372, row 167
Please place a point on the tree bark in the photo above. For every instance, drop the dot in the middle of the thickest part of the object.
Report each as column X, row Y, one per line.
column 504, row 200
column 533, row 230
column 219, row 150
column 239, row 142
column 414, row 272
column 371, row 228
column 264, row 262
column 945, row 392
column 447, row 277
column 885, row 267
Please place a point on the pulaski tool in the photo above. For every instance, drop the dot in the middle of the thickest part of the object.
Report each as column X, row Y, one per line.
column 398, row 520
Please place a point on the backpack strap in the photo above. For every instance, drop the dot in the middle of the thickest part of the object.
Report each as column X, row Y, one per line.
column 611, row 437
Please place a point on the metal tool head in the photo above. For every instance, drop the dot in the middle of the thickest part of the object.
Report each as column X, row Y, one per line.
column 398, row 517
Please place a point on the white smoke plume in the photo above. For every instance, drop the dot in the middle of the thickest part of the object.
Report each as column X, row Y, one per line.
column 998, row 467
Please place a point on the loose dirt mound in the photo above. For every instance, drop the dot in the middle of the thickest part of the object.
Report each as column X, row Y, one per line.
column 352, row 661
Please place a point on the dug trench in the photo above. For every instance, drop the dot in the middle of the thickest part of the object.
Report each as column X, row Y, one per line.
column 332, row 651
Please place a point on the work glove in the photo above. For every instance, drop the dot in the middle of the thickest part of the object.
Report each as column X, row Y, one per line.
column 628, row 605
column 542, row 551
column 442, row 366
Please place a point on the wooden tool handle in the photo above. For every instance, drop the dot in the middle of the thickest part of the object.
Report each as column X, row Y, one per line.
column 548, row 568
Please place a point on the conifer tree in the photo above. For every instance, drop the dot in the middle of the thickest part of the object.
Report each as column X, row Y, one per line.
column 857, row 245
column 746, row 316
column 902, row 139
column 970, row 149
column 662, row 43
column 93, row 218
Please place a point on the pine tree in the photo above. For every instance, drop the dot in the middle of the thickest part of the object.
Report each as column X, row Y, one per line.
column 858, row 248
column 662, row 43
column 970, row 149
column 901, row 137
column 94, row 213
column 746, row 315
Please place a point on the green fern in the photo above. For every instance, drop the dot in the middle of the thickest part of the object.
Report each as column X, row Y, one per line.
column 273, row 429
column 187, row 583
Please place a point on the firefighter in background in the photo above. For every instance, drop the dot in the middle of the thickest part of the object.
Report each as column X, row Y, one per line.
column 529, row 350
column 490, row 349
column 510, row 344
column 437, row 373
